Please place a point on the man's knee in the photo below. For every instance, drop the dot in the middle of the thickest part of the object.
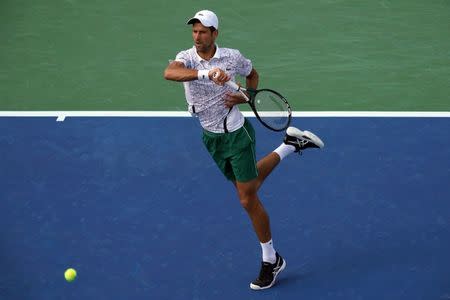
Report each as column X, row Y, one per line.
column 248, row 202
column 248, row 196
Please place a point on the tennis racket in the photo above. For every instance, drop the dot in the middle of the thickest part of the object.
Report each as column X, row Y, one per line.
column 269, row 106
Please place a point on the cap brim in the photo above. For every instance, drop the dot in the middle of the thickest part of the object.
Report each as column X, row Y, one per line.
column 192, row 20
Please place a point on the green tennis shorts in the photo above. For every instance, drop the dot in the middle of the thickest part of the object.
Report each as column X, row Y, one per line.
column 234, row 152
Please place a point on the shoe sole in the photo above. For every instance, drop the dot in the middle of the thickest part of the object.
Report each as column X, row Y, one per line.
column 257, row 287
column 295, row 132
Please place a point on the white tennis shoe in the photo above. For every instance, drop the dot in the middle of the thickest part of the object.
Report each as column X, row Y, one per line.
column 302, row 140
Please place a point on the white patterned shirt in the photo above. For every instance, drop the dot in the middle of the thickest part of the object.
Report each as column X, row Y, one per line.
column 204, row 97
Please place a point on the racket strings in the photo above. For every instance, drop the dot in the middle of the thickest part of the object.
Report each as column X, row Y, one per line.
column 272, row 110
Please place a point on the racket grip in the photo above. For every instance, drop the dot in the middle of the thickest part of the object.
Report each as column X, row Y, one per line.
column 230, row 83
column 237, row 88
column 233, row 85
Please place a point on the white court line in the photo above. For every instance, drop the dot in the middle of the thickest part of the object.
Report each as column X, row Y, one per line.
column 62, row 115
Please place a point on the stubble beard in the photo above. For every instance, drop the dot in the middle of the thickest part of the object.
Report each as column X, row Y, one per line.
column 203, row 48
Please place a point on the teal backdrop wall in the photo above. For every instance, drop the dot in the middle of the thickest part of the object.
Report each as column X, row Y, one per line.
column 322, row 54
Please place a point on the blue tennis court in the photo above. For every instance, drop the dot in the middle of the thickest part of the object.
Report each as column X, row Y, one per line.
column 140, row 210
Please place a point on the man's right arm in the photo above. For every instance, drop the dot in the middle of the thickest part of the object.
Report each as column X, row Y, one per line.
column 177, row 71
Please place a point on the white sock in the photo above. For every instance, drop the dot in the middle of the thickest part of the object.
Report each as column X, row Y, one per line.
column 284, row 150
column 268, row 252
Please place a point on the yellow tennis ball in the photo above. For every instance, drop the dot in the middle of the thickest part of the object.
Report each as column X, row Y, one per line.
column 70, row 274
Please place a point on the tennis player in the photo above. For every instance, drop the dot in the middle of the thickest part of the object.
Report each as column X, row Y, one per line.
column 227, row 135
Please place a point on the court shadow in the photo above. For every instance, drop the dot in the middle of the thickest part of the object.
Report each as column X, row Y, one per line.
column 294, row 276
column 346, row 267
column 291, row 280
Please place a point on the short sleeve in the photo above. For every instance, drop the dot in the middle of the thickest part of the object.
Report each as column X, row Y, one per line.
column 243, row 65
column 184, row 57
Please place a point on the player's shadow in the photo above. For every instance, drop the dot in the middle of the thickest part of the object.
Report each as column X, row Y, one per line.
column 346, row 263
column 294, row 276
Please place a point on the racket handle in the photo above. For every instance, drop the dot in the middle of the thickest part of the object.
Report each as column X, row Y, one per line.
column 233, row 85
column 237, row 88
column 230, row 83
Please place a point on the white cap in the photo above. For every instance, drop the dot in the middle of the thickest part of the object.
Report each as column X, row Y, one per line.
column 206, row 17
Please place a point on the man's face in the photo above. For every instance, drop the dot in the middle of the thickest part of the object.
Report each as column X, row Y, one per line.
column 203, row 37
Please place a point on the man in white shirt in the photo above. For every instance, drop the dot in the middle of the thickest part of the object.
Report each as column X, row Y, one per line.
column 228, row 136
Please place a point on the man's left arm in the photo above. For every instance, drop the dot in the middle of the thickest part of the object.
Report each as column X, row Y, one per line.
column 252, row 80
